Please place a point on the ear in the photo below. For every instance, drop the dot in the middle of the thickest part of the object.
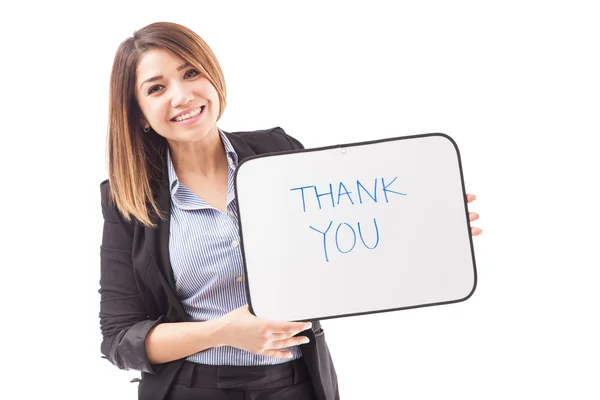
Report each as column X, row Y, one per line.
column 144, row 123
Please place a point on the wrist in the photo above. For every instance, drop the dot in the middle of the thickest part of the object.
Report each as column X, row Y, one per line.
column 217, row 331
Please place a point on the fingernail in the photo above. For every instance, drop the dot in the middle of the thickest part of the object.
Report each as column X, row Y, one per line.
column 290, row 355
column 305, row 341
column 308, row 326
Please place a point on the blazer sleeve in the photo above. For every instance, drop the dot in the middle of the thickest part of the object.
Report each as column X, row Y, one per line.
column 124, row 321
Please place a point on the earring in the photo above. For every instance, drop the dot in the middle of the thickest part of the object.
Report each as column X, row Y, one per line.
column 147, row 129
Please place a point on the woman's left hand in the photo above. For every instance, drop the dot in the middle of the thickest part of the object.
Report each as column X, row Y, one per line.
column 473, row 216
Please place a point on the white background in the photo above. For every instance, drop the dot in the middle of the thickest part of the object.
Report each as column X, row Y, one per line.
column 515, row 83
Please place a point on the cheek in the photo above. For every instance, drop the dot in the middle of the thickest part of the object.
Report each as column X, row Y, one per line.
column 214, row 96
column 145, row 110
column 209, row 90
column 216, row 104
column 155, row 113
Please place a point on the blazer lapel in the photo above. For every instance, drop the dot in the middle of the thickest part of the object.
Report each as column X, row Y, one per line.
column 157, row 239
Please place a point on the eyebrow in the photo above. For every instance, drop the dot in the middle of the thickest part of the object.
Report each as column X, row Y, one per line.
column 158, row 77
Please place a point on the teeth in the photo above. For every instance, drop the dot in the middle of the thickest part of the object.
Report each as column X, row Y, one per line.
column 188, row 115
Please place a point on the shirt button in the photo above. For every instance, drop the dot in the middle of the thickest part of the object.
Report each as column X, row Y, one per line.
column 231, row 214
column 229, row 160
column 235, row 243
column 238, row 278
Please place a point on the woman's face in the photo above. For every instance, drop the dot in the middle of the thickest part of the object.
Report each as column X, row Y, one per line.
column 177, row 101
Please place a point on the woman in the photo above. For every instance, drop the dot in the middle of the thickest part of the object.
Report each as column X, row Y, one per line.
column 168, row 209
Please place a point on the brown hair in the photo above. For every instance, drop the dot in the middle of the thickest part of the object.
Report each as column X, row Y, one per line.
column 136, row 158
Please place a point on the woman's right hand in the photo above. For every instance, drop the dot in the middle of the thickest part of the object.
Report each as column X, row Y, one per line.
column 243, row 330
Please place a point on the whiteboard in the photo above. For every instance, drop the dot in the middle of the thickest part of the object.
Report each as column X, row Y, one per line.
column 355, row 229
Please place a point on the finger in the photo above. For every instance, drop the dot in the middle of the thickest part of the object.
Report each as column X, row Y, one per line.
column 289, row 342
column 277, row 354
column 274, row 336
column 471, row 198
column 476, row 231
column 290, row 328
column 473, row 216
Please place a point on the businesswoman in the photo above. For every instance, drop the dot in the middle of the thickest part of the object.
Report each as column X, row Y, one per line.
column 173, row 301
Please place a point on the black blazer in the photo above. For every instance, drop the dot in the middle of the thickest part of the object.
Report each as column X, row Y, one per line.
column 138, row 290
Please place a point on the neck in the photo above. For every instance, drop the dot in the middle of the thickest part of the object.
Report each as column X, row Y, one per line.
column 204, row 157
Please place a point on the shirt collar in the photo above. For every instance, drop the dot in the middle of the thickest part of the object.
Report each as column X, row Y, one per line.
column 229, row 150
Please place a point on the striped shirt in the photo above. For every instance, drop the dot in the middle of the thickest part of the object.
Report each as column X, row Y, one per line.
column 206, row 258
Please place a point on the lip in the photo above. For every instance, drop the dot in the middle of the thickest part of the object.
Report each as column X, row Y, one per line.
column 191, row 120
column 187, row 110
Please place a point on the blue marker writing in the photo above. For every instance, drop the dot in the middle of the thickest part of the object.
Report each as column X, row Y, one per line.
column 302, row 189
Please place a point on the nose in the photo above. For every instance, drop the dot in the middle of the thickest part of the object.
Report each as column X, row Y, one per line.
column 181, row 96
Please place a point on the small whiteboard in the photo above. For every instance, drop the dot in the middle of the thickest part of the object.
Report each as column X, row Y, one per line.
column 355, row 229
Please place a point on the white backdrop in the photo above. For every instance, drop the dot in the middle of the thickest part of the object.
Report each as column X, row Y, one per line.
column 515, row 83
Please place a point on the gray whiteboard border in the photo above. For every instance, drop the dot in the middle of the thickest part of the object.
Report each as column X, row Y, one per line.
column 341, row 146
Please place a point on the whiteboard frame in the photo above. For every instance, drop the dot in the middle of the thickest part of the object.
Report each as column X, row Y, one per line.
column 347, row 145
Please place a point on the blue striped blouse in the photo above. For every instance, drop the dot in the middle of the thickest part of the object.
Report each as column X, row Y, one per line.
column 207, row 263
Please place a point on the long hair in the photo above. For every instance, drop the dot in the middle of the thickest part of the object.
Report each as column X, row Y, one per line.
column 136, row 158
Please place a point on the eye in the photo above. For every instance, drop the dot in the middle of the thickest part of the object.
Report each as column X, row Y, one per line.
column 194, row 71
column 151, row 90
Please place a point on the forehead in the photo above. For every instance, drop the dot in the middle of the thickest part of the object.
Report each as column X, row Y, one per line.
column 157, row 62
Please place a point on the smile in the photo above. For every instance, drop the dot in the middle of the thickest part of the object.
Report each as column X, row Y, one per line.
column 192, row 114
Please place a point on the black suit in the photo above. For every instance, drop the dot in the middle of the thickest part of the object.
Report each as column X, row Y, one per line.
column 138, row 289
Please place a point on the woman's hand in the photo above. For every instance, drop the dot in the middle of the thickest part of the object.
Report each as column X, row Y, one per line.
column 473, row 216
column 245, row 331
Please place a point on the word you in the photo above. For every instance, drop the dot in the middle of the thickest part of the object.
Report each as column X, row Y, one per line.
column 312, row 196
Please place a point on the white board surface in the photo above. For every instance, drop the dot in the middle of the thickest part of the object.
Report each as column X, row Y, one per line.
column 356, row 228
